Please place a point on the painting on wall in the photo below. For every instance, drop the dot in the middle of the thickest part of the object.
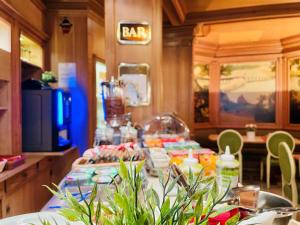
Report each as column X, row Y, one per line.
column 135, row 77
column 248, row 92
column 201, row 93
column 294, row 90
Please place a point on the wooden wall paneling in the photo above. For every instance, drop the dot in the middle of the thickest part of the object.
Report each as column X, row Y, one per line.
column 171, row 73
column 111, row 38
column 177, row 70
column 280, row 86
column 245, row 49
column 73, row 48
column 214, row 94
column 177, row 65
column 151, row 53
column 16, row 102
column 96, row 49
column 184, row 84
column 5, row 104
column 8, row 7
column 30, row 11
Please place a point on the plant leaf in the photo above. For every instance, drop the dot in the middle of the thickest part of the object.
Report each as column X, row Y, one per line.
column 123, row 171
column 140, row 166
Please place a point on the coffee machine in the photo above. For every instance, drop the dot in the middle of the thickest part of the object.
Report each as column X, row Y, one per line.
column 46, row 118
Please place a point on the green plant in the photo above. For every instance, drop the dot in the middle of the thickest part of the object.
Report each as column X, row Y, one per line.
column 132, row 204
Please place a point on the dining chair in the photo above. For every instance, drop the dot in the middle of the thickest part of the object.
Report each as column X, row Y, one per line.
column 288, row 173
column 272, row 144
column 234, row 140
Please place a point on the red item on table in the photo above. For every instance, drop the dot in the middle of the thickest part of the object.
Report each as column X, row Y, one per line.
column 222, row 218
column 13, row 161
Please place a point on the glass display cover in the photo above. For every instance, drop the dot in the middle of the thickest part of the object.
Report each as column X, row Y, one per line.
column 166, row 125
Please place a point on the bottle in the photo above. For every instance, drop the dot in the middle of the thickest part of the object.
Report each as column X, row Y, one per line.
column 190, row 163
column 227, row 170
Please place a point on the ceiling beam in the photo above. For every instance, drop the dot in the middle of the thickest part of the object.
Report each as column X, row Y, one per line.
column 97, row 6
column 175, row 11
column 245, row 13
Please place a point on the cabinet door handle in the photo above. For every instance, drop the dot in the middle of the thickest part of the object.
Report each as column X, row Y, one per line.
column 24, row 175
column 7, row 209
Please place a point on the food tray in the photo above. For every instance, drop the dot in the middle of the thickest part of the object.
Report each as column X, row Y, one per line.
column 83, row 162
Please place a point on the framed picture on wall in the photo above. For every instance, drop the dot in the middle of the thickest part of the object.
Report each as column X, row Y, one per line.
column 201, row 92
column 135, row 77
column 294, row 90
column 247, row 92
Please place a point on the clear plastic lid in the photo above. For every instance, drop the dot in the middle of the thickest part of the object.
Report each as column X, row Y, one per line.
column 166, row 125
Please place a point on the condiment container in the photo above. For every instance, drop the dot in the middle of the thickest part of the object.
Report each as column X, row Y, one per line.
column 190, row 163
column 227, row 170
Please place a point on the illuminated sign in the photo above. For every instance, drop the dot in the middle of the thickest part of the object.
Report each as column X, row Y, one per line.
column 136, row 33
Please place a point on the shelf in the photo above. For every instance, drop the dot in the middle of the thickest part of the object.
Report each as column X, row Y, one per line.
column 3, row 108
column 30, row 65
column 60, row 153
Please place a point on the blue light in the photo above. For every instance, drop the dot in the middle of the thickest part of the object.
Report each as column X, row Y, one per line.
column 60, row 109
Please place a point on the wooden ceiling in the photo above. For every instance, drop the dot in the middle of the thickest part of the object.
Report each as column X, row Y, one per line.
column 188, row 12
column 249, row 31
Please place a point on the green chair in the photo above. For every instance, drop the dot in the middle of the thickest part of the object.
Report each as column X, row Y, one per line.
column 288, row 173
column 235, row 142
column 272, row 145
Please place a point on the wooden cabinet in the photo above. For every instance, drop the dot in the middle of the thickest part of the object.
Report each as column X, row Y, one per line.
column 5, row 87
column 22, row 190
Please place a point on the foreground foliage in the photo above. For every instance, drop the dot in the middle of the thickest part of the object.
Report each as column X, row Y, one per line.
column 133, row 204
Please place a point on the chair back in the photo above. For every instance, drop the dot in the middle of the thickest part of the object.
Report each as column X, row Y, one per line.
column 231, row 138
column 288, row 172
column 277, row 137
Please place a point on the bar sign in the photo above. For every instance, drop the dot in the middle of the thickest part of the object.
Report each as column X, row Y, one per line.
column 134, row 33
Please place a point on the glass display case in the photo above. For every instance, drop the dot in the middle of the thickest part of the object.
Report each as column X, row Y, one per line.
column 166, row 125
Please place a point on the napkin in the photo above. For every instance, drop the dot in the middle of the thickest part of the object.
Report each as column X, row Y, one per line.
column 265, row 218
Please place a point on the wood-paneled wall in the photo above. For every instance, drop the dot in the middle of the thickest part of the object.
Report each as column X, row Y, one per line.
column 177, row 69
column 22, row 16
column 72, row 48
column 96, row 49
column 33, row 11
column 85, row 40
column 177, row 72
column 142, row 10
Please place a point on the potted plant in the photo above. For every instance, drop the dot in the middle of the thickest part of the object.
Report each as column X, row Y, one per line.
column 250, row 131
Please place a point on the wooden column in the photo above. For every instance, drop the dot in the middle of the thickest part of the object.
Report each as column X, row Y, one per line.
column 136, row 11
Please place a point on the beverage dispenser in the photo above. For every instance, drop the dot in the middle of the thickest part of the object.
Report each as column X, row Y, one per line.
column 113, row 100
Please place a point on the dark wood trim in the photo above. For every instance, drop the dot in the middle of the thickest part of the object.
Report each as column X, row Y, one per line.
column 40, row 4
column 245, row 13
column 93, row 5
column 178, row 35
column 171, row 13
column 181, row 12
column 94, row 98
column 16, row 103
